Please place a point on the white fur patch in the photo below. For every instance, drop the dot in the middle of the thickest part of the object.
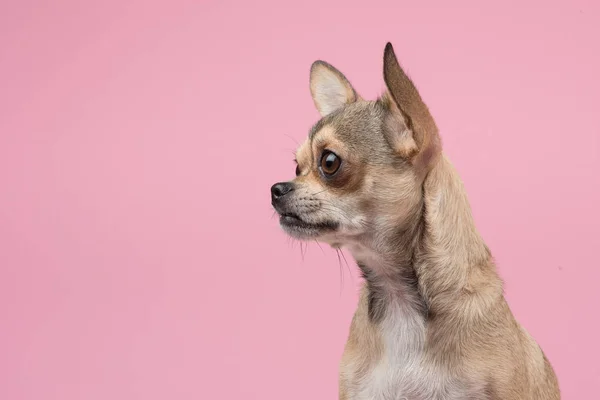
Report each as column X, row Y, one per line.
column 402, row 372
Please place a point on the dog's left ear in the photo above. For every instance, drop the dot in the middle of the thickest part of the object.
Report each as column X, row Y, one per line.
column 412, row 130
column 329, row 88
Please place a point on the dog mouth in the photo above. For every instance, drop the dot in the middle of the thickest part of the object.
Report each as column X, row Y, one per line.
column 294, row 224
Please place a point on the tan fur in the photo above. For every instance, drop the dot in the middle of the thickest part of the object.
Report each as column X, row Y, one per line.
column 432, row 321
column 471, row 331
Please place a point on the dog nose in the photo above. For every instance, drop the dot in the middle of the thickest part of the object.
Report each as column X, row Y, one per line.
column 279, row 190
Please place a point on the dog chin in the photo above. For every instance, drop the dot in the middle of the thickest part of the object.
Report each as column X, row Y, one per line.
column 297, row 228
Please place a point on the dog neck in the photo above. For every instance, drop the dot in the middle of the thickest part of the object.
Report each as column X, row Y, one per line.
column 436, row 260
column 386, row 259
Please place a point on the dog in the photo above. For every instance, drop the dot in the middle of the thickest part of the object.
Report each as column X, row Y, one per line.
column 432, row 321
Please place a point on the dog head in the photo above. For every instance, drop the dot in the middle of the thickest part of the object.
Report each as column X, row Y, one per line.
column 361, row 169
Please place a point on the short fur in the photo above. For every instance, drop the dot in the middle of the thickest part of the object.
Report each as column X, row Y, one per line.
column 432, row 321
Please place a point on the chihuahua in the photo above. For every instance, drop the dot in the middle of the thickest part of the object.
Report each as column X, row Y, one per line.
column 432, row 321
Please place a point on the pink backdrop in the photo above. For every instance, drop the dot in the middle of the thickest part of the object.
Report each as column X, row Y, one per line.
column 138, row 141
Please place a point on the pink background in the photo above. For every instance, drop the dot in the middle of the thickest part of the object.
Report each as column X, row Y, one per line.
column 138, row 142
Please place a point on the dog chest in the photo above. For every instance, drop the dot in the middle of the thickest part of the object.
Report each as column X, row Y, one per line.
column 401, row 371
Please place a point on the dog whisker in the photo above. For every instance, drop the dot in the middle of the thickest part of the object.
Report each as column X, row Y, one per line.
column 337, row 251
column 303, row 246
column 347, row 265
column 294, row 140
column 323, row 251
column 322, row 191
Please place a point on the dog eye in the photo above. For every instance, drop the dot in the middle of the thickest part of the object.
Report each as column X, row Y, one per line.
column 330, row 163
column 297, row 170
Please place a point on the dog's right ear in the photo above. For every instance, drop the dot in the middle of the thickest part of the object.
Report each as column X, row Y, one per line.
column 413, row 130
column 329, row 88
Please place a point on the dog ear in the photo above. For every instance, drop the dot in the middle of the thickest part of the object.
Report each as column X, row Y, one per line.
column 413, row 129
column 329, row 88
